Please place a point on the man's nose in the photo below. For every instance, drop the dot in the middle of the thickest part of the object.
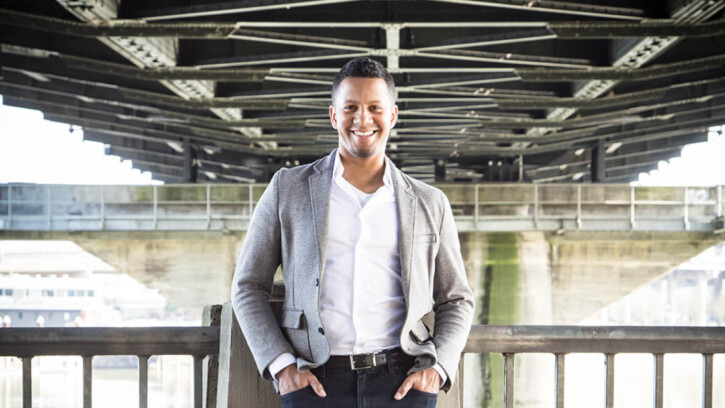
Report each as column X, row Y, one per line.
column 363, row 116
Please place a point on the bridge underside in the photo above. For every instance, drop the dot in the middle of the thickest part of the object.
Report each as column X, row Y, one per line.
column 488, row 91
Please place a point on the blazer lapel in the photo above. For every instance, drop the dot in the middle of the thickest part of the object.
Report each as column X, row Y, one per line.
column 406, row 202
column 320, row 199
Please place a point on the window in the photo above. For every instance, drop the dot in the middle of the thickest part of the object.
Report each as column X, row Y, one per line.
column 48, row 292
column 89, row 293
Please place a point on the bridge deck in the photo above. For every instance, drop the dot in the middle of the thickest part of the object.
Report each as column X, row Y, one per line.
column 477, row 207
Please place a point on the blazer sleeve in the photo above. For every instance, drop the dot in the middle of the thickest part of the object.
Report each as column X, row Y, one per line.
column 253, row 280
column 452, row 296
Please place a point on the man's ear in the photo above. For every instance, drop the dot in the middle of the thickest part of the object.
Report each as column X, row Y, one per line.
column 394, row 118
column 333, row 117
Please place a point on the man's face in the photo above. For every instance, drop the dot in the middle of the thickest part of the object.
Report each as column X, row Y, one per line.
column 363, row 114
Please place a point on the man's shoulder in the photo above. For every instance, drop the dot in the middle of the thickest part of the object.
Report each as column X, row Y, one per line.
column 421, row 189
column 294, row 174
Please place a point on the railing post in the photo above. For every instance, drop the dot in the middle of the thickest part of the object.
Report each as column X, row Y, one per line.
column 237, row 372
column 47, row 207
column 208, row 206
column 579, row 206
column 508, row 379
column 560, row 378
column 198, row 386
column 87, row 381
column 475, row 209
column 103, row 207
column 631, row 207
column 707, row 372
column 686, row 214
column 251, row 200
column 10, row 206
column 609, row 396
column 143, row 381
column 659, row 380
column 156, row 206
column 27, row 381
column 536, row 206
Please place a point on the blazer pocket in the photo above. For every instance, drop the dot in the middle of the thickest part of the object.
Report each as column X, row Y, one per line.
column 425, row 238
column 291, row 318
column 293, row 324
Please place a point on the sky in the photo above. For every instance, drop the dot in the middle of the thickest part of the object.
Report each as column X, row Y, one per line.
column 34, row 150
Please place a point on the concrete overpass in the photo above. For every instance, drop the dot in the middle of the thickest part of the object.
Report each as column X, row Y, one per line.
column 536, row 254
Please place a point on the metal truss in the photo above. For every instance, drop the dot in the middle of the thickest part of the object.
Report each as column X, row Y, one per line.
column 469, row 90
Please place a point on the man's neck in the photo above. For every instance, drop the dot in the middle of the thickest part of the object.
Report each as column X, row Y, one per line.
column 365, row 174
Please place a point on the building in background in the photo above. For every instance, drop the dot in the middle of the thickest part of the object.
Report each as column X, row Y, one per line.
column 58, row 284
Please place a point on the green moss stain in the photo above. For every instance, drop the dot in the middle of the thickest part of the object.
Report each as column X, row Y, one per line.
column 498, row 305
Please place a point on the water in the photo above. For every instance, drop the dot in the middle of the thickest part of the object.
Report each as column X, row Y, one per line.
column 57, row 382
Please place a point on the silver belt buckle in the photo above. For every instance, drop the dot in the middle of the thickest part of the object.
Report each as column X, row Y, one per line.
column 353, row 367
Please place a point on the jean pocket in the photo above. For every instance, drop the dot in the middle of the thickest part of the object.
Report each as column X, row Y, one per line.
column 424, row 394
column 296, row 393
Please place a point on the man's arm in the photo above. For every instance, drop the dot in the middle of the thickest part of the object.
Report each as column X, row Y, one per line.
column 453, row 298
column 253, row 280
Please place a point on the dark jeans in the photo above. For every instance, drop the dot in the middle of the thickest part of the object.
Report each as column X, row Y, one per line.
column 367, row 388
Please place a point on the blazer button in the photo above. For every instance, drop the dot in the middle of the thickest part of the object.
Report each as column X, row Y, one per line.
column 317, row 282
column 321, row 330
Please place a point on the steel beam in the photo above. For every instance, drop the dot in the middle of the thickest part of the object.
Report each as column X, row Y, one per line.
column 558, row 7
column 229, row 7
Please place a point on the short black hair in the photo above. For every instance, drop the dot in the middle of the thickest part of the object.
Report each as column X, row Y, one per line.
column 364, row 67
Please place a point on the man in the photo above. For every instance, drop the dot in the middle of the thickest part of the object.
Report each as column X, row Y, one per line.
column 366, row 252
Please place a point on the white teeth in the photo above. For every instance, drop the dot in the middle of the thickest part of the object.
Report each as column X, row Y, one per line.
column 363, row 133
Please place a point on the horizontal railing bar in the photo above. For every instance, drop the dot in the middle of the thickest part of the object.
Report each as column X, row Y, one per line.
column 595, row 339
column 97, row 341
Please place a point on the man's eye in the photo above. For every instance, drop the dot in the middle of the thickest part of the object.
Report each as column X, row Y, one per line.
column 376, row 108
column 349, row 108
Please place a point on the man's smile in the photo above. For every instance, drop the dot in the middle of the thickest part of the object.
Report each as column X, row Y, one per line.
column 360, row 133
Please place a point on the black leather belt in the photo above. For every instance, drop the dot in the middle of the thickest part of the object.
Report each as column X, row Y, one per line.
column 363, row 361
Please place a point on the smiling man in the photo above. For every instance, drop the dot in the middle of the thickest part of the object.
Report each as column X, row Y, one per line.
column 366, row 252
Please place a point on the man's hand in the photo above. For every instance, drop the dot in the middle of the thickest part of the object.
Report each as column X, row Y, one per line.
column 426, row 381
column 291, row 380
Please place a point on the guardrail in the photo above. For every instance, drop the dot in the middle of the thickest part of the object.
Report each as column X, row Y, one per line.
column 608, row 340
column 477, row 207
column 237, row 372
column 88, row 342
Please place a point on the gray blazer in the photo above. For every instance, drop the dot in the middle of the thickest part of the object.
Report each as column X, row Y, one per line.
column 289, row 228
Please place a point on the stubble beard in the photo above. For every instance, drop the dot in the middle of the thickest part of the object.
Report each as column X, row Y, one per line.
column 365, row 153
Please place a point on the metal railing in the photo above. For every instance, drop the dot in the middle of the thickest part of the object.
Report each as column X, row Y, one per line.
column 87, row 342
column 506, row 340
column 608, row 340
column 477, row 207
